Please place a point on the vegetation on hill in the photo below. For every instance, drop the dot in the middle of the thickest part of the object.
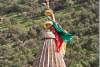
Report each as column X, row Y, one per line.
column 20, row 27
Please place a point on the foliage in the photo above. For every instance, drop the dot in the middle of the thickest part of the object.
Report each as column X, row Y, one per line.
column 20, row 27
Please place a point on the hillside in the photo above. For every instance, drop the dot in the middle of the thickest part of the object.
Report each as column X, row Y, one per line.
column 20, row 27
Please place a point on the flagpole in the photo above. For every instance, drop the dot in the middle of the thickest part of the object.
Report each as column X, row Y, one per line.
column 48, row 8
column 47, row 4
